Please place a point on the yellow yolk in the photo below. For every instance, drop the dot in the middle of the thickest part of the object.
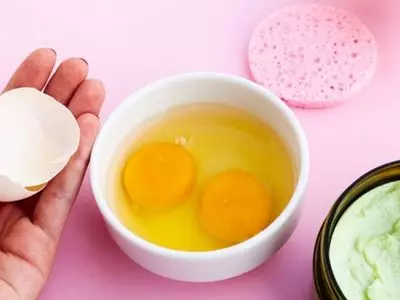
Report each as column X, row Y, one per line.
column 235, row 206
column 35, row 188
column 159, row 175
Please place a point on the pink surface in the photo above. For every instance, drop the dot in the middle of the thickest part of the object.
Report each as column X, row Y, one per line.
column 311, row 55
column 134, row 42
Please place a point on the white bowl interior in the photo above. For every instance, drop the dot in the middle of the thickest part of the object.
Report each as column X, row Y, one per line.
column 186, row 89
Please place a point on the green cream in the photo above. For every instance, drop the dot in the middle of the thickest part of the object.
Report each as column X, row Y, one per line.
column 365, row 246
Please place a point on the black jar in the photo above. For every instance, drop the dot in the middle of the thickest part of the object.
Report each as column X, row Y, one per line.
column 325, row 284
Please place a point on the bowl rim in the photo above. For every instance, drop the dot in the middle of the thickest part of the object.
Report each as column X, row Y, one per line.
column 271, row 230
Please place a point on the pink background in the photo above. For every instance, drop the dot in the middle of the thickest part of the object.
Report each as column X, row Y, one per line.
column 131, row 43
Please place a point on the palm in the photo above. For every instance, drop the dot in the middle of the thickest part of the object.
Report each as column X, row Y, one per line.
column 30, row 229
column 24, row 256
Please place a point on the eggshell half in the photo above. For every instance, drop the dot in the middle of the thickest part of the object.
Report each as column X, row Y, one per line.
column 38, row 136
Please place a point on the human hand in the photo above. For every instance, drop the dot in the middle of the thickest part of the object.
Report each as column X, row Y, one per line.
column 30, row 229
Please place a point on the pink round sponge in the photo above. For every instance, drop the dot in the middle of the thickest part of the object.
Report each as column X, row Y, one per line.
column 312, row 56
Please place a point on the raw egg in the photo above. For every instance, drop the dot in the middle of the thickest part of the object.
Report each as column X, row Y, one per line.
column 39, row 135
column 159, row 175
column 200, row 177
column 235, row 206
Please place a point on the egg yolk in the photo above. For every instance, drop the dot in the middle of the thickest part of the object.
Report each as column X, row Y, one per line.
column 159, row 175
column 35, row 188
column 235, row 206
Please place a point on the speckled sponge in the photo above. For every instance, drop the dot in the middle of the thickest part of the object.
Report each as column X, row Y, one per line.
column 311, row 55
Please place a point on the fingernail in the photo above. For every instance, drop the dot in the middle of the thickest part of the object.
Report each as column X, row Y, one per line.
column 84, row 60
column 51, row 49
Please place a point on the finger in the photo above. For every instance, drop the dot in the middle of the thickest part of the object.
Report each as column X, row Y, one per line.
column 58, row 197
column 88, row 98
column 28, row 205
column 68, row 76
column 34, row 71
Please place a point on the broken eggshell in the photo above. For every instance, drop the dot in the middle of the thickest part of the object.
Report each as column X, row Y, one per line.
column 38, row 137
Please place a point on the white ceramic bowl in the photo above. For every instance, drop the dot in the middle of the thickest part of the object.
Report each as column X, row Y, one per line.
column 184, row 89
